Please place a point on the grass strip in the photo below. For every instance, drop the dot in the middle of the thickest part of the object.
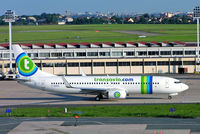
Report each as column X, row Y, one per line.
column 181, row 111
column 106, row 33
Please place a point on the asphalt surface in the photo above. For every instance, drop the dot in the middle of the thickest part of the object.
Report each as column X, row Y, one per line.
column 8, row 124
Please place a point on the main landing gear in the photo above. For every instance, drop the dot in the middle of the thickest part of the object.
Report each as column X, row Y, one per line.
column 99, row 97
column 169, row 97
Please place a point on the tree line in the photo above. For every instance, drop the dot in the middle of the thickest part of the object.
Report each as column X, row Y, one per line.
column 46, row 18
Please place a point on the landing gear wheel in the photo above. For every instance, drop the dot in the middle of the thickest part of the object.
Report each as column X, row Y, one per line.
column 169, row 97
column 97, row 98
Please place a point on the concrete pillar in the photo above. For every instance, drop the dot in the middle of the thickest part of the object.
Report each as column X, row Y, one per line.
column 169, row 66
column 53, row 68
column 66, row 67
column 130, row 67
column 117, row 66
column 104, row 67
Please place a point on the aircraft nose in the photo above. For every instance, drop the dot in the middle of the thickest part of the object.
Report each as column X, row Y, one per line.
column 185, row 87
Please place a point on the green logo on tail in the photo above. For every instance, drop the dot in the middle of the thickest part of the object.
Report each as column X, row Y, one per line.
column 25, row 65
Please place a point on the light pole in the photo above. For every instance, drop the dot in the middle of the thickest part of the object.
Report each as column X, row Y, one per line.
column 10, row 17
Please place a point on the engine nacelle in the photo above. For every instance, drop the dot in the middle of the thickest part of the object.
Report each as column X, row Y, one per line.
column 117, row 94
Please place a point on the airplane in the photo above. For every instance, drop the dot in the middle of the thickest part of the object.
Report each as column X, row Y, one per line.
column 108, row 87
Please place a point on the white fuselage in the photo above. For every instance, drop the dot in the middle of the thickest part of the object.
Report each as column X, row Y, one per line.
column 131, row 84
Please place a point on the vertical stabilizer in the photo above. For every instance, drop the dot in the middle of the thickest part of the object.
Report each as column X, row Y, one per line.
column 25, row 65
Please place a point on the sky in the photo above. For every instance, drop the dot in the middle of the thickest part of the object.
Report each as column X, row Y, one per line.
column 32, row 7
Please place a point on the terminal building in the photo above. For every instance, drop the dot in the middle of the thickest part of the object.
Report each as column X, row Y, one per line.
column 108, row 58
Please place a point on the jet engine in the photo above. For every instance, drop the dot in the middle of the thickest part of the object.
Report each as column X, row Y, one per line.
column 117, row 94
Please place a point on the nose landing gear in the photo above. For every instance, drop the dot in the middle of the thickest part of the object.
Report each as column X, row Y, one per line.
column 170, row 95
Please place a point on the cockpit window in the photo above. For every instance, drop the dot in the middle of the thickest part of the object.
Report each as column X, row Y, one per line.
column 177, row 82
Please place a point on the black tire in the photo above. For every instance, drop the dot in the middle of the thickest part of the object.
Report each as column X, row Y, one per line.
column 97, row 98
column 169, row 97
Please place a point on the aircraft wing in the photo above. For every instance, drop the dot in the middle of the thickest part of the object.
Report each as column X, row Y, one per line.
column 98, row 90
column 93, row 90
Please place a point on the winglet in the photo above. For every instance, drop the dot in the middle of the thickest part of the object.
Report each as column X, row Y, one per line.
column 66, row 82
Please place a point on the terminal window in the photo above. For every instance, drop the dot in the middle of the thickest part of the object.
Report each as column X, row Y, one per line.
column 56, row 54
column 142, row 53
column 97, row 64
column 6, row 55
column 44, row 54
column 104, row 53
column 86, row 64
column 81, row 54
column 111, row 63
column 137, row 63
column 6, row 65
column 38, row 64
column 68, row 54
column 150, row 63
column 188, row 62
column 190, row 52
column 60, row 64
column 47, row 64
column 73, row 64
column 92, row 54
column 153, row 53
column 162, row 63
column 124, row 63
column 177, row 52
column 175, row 62
column 165, row 52
column 117, row 54
column 33, row 55
column 130, row 53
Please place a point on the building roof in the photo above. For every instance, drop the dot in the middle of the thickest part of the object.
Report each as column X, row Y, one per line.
column 103, row 44
column 179, row 43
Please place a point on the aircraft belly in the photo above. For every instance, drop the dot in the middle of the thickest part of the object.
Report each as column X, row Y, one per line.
column 133, row 90
column 64, row 90
column 161, row 90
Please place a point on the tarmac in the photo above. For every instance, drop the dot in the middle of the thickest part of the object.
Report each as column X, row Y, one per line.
column 99, row 126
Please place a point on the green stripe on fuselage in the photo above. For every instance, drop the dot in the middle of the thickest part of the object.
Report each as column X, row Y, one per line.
column 143, row 85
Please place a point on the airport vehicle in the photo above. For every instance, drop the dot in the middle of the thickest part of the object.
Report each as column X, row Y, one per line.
column 111, row 87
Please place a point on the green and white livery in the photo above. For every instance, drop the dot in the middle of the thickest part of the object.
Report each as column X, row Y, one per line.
column 110, row 87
